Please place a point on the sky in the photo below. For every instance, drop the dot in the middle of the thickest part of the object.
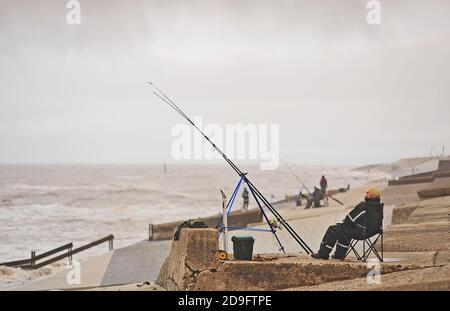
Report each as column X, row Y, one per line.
column 341, row 90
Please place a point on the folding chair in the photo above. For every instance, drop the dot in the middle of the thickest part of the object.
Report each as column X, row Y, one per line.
column 368, row 245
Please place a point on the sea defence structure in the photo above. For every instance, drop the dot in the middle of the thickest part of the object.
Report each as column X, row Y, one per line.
column 443, row 170
column 433, row 192
column 432, row 184
column 193, row 265
column 411, row 180
column 165, row 231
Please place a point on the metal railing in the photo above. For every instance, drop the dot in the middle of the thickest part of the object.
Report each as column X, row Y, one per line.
column 33, row 264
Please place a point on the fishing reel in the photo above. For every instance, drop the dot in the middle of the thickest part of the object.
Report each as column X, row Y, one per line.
column 222, row 255
column 274, row 224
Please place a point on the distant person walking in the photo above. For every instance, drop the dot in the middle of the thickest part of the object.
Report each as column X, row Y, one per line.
column 246, row 198
column 323, row 187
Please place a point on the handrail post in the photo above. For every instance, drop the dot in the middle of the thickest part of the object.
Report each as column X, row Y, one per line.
column 69, row 253
column 150, row 232
column 33, row 261
column 111, row 246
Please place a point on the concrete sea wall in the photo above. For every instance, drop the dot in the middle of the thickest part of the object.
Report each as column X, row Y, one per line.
column 193, row 265
column 236, row 219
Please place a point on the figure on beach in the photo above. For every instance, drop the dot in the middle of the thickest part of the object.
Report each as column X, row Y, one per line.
column 318, row 195
column 298, row 202
column 315, row 198
column 246, row 198
column 323, row 187
column 364, row 220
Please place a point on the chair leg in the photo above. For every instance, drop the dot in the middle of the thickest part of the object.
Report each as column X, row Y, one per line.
column 367, row 251
column 363, row 256
column 372, row 248
column 358, row 256
column 368, row 248
column 347, row 252
column 377, row 254
column 350, row 248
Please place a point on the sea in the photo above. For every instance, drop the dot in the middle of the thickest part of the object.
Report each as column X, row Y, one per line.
column 46, row 206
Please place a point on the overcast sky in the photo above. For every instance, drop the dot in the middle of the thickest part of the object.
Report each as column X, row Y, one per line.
column 343, row 91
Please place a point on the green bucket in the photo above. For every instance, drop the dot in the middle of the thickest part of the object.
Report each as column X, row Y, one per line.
column 243, row 247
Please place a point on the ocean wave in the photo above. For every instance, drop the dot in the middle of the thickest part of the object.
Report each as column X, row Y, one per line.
column 175, row 196
column 130, row 177
column 53, row 189
column 7, row 271
column 37, row 187
column 11, row 277
column 6, row 202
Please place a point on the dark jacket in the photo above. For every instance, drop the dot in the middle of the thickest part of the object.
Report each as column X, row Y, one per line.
column 245, row 194
column 366, row 218
column 323, row 184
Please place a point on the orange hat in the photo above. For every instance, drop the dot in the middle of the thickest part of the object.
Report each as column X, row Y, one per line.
column 373, row 193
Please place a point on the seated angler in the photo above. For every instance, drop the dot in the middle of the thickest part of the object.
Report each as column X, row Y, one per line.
column 364, row 220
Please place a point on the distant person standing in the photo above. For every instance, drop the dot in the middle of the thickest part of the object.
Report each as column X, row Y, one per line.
column 246, row 198
column 323, row 187
column 323, row 183
column 299, row 199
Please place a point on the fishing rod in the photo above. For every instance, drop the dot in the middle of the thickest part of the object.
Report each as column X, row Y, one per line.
column 255, row 191
column 295, row 175
column 333, row 198
column 168, row 101
column 303, row 185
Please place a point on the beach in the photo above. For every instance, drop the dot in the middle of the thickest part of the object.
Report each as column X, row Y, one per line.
column 136, row 261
